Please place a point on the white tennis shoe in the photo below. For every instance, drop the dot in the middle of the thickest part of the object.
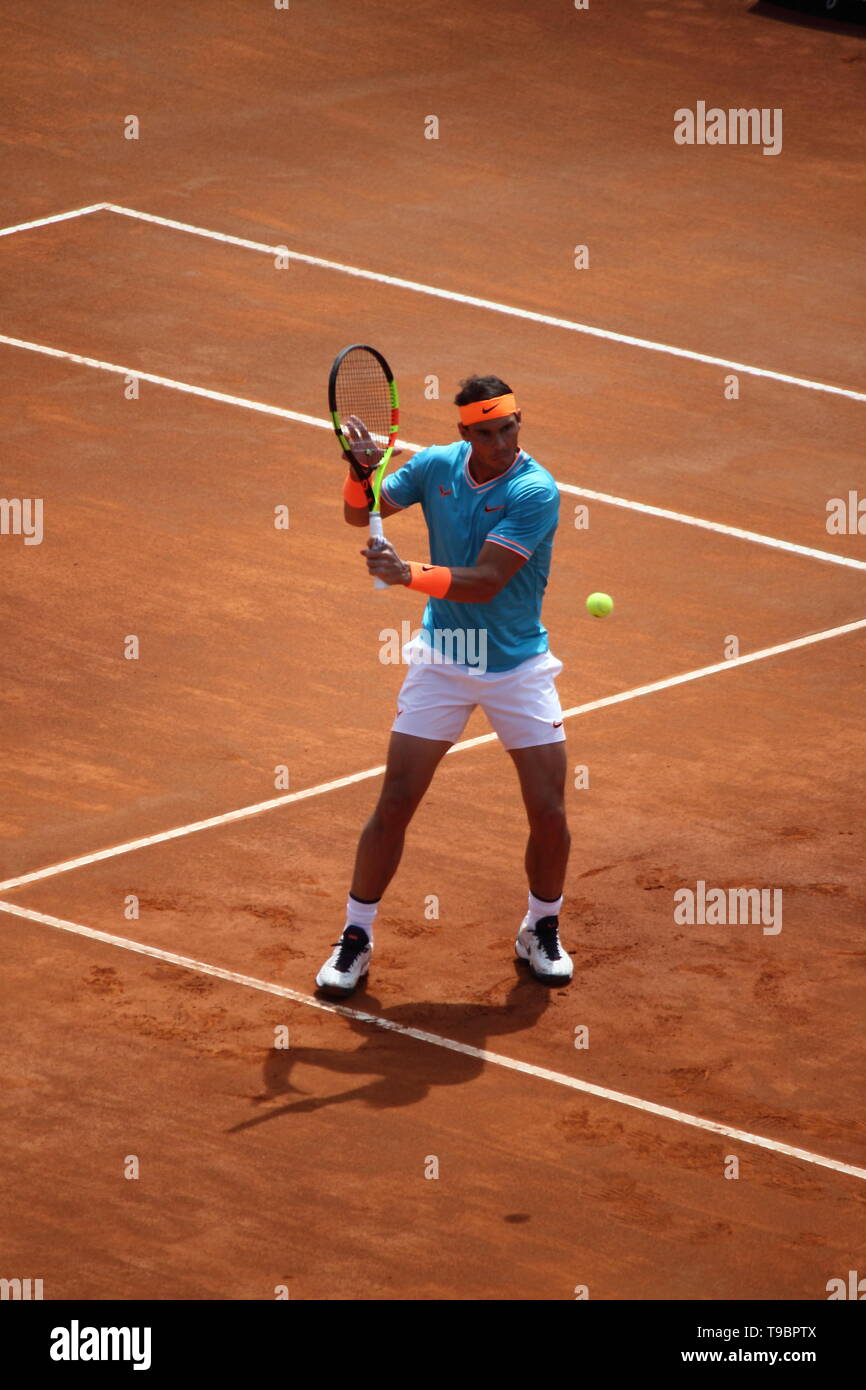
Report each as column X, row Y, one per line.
column 540, row 946
column 348, row 965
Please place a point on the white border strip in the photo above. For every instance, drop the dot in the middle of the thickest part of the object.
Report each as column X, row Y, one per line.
column 416, row 287
column 246, row 811
column 646, row 508
column 649, row 1107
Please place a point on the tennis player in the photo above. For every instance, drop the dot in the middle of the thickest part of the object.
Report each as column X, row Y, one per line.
column 491, row 513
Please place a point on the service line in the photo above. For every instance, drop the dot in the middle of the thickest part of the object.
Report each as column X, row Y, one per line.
column 223, row 398
column 244, row 812
column 494, row 306
column 436, row 292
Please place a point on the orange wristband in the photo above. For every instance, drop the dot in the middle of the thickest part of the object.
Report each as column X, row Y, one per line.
column 429, row 579
column 355, row 493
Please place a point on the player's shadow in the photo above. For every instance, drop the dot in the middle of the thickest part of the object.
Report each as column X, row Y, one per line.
column 403, row 1068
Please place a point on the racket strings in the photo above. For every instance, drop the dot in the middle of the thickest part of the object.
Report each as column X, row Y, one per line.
column 362, row 389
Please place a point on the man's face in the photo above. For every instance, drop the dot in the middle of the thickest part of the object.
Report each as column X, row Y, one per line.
column 494, row 442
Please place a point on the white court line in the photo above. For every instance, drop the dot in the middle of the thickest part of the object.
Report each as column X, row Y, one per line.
column 281, row 412
column 170, row 383
column 246, row 811
column 57, row 217
column 243, row 813
column 670, row 681
column 494, row 306
column 416, row 287
column 719, row 527
column 665, row 1112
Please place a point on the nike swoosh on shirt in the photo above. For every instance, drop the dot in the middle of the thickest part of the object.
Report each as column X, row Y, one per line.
column 444, row 491
column 495, row 509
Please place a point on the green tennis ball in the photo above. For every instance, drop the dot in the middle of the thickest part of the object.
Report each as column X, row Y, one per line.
column 599, row 605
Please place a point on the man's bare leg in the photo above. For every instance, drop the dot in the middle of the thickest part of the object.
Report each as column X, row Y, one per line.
column 409, row 771
column 542, row 771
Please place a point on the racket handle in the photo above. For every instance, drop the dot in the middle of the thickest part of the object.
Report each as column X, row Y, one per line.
column 378, row 534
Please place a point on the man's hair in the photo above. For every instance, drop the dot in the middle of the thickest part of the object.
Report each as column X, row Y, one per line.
column 480, row 388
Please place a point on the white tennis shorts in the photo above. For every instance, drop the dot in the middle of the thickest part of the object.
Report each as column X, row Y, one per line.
column 522, row 704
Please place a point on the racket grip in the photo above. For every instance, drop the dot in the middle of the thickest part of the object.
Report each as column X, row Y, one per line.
column 378, row 534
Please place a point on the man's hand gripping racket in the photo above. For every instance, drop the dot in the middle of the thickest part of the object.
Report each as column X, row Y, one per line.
column 362, row 396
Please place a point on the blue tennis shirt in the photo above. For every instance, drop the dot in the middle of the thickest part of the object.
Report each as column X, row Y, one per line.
column 518, row 510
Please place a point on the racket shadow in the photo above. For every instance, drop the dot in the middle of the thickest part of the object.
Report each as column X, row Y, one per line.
column 403, row 1070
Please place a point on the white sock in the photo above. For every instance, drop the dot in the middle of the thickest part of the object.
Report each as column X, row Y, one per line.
column 538, row 908
column 361, row 915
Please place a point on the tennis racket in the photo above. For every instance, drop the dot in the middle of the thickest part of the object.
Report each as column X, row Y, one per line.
column 362, row 384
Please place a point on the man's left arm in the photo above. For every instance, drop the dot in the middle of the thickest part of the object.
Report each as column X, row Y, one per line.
column 529, row 518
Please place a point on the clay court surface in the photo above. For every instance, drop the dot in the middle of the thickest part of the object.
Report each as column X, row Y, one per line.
column 154, row 1036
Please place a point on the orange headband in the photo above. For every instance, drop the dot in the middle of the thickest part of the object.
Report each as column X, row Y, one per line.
column 476, row 411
